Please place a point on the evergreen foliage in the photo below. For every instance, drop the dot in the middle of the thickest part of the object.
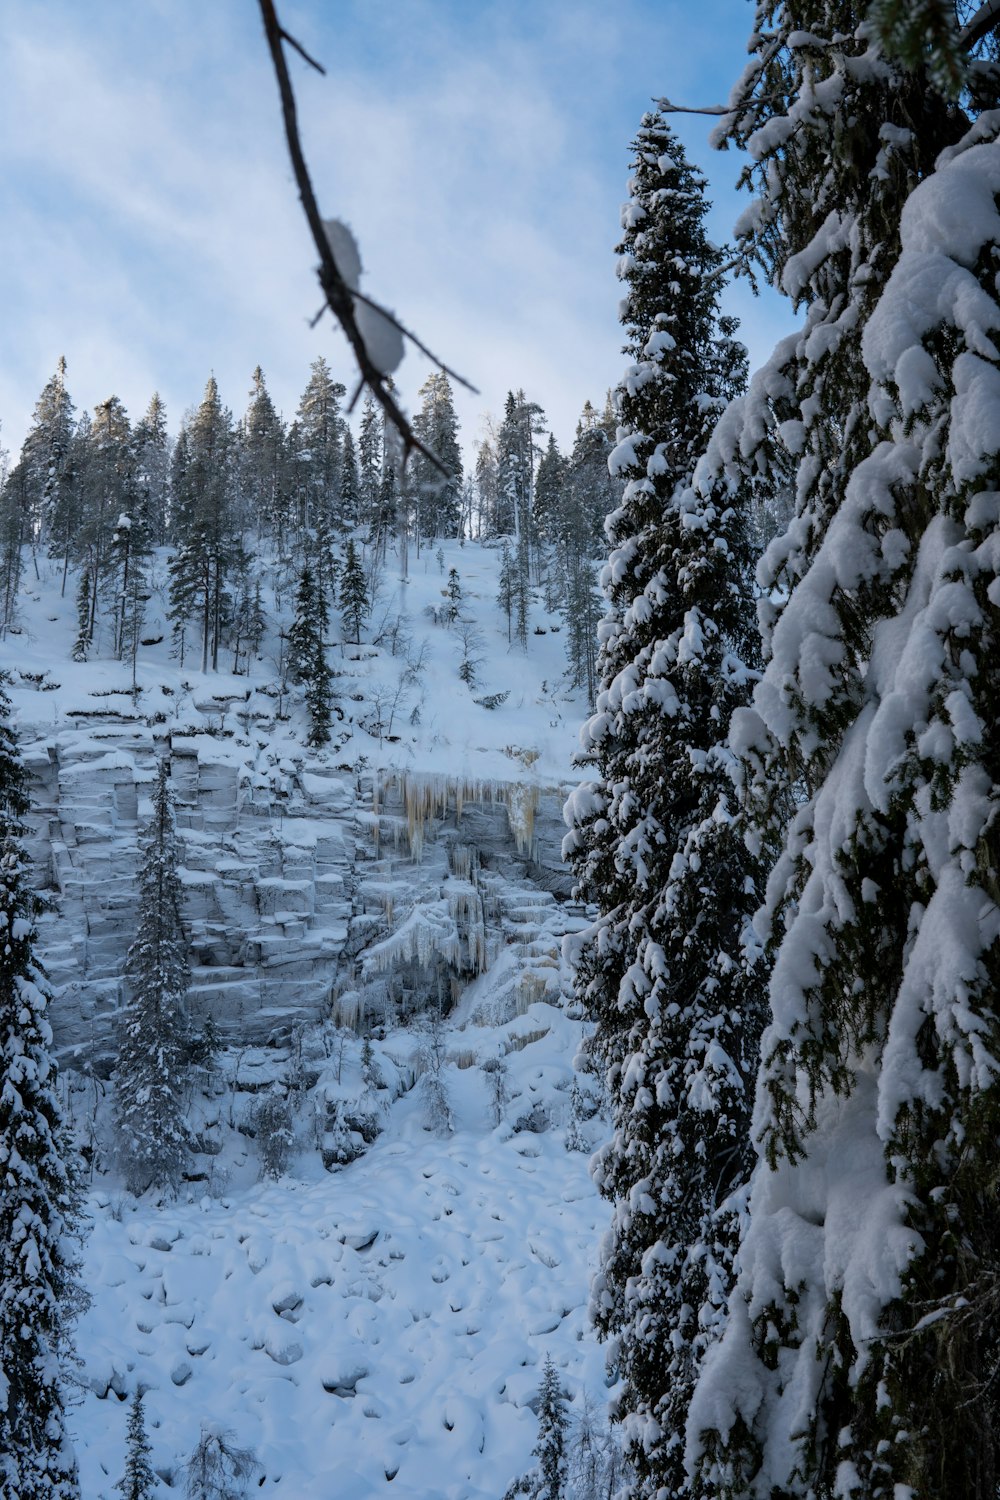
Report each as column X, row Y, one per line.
column 306, row 628
column 547, row 1480
column 439, row 510
column 924, row 31
column 454, row 606
column 550, row 1449
column 506, row 595
column 487, row 494
column 274, row 1135
column 350, row 483
column 149, row 1075
column 307, row 663
column 152, row 472
column 205, row 525
column 84, row 616
column 263, row 460
column 319, row 698
column 249, row 620
column 370, row 468
column 47, row 459
column 390, row 514
column 515, row 467
column 106, row 494
column 550, row 492
column 471, row 642
column 589, row 491
column 127, row 568
column 354, row 602
column 138, row 1481
column 38, row 1194
column 521, row 583
column 12, row 514
column 582, row 612
column 858, row 1359
column 320, row 443
column 655, row 841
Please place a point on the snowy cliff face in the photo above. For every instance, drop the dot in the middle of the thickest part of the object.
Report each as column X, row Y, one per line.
column 296, row 862
column 304, row 892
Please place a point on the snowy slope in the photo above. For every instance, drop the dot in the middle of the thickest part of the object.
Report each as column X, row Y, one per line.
column 453, row 735
column 385, row 1321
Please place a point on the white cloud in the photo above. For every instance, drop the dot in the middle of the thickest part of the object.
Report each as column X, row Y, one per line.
column 152, row 229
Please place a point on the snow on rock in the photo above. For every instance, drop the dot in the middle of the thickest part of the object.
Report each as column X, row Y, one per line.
column 288, row 854
column 391, row 1317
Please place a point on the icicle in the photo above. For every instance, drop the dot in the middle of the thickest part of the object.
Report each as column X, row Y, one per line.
column 376, row 825
column 432, row 798
column 522, row 804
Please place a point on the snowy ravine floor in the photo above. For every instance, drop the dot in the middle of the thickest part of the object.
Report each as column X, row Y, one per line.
column 386, row 1322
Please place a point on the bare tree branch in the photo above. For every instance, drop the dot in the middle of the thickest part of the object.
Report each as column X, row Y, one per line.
column 986, row 19
column 339, row 296
column 665, row 107
column 292, row 42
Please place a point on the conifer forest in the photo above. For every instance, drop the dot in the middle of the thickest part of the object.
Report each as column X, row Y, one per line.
column 500, row 988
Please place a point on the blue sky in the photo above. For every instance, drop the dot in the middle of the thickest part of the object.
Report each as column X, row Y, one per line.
column 479, row 150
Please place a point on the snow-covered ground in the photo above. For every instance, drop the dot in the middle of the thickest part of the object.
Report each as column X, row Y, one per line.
column 384, row 1321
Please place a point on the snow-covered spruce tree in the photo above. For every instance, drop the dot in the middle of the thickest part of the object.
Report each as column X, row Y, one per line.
column 547, row 1480
column 127, row 584
column 582, row 612
column 320, row 439
column 487, row 493
column 860, row 1351
column 591, row 491
column 149, row 1074
column 47, row 459
column 370, row 465
column 307, row 661
column 38, row 1196
column 319, row 697
column 837, row 136
column 550, row 1449
column 152, row 470
column 274, row 1130
column 506, row 592
column 205, row 524
column 454, row 606
column 12, row 524
column 249, row 621
column 353, row 600
column 262, row 461
column 438, row 498
column 522, row 422
column 550, row 493
column 311, row 618
column 654, row 841
column 138, row 1481
column 350, row 483
column 106, row 492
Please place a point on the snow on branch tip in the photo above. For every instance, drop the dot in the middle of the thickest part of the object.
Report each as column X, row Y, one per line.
column 375, row 335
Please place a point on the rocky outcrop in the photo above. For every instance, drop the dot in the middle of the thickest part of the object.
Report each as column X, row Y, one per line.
column 306, row 888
